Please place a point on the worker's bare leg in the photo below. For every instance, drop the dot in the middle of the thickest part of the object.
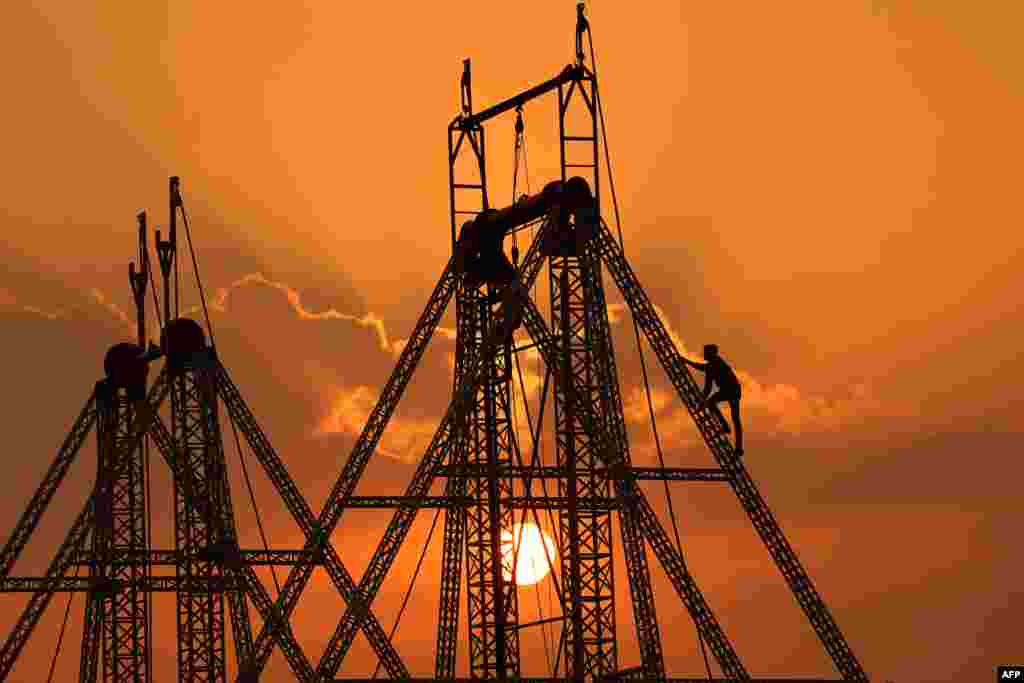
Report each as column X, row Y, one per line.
column 734, row 406
column 712, row 404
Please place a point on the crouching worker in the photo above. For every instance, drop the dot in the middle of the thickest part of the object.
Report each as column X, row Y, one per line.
column 717, row 371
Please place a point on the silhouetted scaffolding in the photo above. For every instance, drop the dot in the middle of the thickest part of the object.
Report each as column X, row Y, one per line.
column 475, row 453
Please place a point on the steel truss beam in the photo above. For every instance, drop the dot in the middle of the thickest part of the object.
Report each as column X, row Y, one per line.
column 105, row 586
column 556, row 472
column 38, row 503
column 586, row 536
column 464, row 501
column 195, row 430
column 121, row 527
column 750, row 498
column 487, row 444
column 169, row 558
column 455, row 518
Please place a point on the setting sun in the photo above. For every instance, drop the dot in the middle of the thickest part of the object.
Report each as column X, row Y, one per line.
column 532, row 563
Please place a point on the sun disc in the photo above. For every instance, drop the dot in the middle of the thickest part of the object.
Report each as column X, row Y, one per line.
column 532, row 562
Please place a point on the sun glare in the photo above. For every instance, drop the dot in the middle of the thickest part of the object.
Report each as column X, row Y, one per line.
column 532, row 564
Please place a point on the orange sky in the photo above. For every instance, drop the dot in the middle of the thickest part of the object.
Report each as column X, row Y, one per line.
column 824, row 189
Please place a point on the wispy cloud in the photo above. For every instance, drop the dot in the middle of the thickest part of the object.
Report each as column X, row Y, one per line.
column 766, row 409
column 405, row 439
column 369, row 321
column 94, row 297
column 113, row 309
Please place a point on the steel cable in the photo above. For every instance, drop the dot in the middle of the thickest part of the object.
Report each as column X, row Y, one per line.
column 636, row 332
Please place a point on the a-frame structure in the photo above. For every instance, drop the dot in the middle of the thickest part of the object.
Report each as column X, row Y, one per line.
column 110, row 538
column 475, row 448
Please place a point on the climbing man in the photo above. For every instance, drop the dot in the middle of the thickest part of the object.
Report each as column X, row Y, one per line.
column 717, row 371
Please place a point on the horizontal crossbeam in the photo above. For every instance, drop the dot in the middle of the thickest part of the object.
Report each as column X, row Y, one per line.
column 151, row 584
column 665, row 679
column 538, row 622
column 519, row 502
column 569, row 73
column 556, row 472
column 171, row 558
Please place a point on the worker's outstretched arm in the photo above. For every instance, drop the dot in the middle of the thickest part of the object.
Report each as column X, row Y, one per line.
column 699, row 366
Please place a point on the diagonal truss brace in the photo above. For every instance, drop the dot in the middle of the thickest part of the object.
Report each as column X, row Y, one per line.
column 300, row 511
column 750, row 498
column 38, row 503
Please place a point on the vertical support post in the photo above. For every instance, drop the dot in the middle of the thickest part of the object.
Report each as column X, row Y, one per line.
column 200, row 612
column 571, row 531
column 88, row 668
column 493, row 638
column 493, row 510
column 573, row 283
column 126, row 619
column 174, row 192
column 221, row 516
column 460, row 136
column 493, row 605
column 166, row 253
column 95, row 600
column 118, row 609
column 455, row 515
column 139, row 281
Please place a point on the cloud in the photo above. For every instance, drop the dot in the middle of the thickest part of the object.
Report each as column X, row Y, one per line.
column 95, row 305
column 368, row 321
column 58, row 314
column 9, row 301
column 405, row 439
column 635, row 407
column 115, row 310
column 447, row 333
column 767, row 409
column 339, row 383
column 784, row 409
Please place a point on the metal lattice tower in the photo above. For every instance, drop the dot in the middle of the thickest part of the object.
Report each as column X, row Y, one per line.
column 117, row 619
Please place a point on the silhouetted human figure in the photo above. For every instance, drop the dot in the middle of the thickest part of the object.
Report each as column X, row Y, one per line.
column 717, row 371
